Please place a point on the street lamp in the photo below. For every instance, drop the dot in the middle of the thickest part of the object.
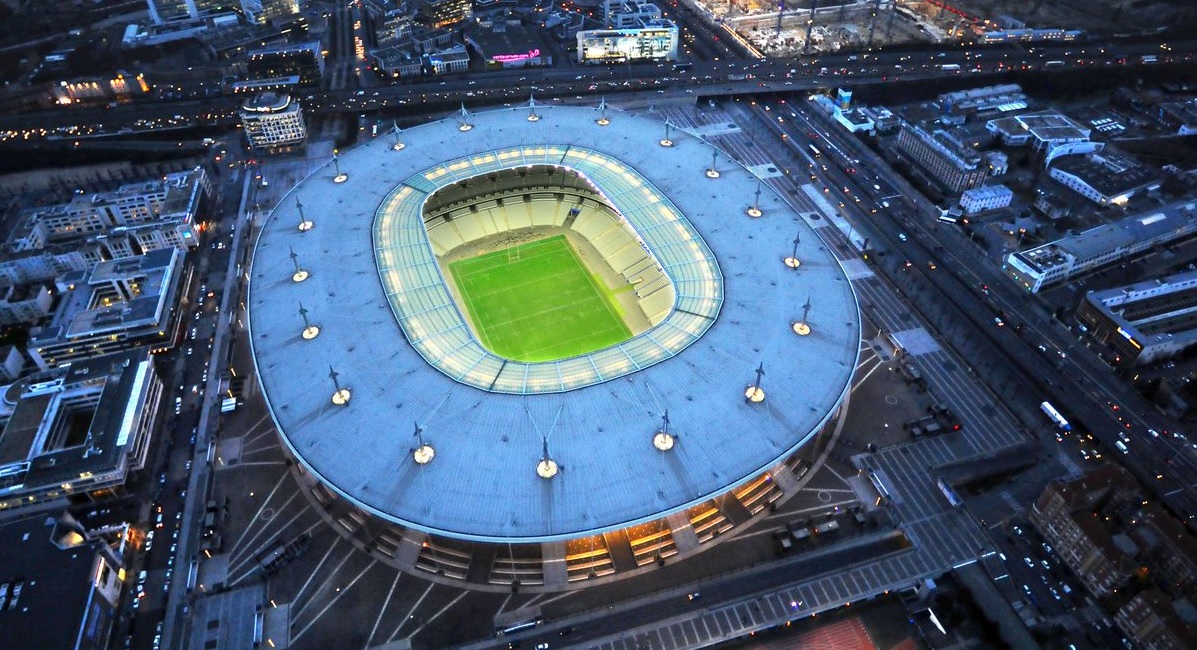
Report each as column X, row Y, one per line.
column 666, row 142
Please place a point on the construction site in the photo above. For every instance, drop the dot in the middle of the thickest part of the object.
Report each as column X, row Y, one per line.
column 788, row 27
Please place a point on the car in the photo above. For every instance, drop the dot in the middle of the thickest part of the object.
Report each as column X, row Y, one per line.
column 1047, row 547
column 997, row 320
column 1154, row 433
column 1017, row 530
column 158, row 521
column 1055, row 594
column 1029, row 561
column 902, row 236
column 1046, row 566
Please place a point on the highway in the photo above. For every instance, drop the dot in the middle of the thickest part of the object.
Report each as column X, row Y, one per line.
column 702, row 79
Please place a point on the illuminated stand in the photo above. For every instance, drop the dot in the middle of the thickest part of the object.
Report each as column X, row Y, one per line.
column 547, row 467
column 532, row 116
column 398, row 145
column 340, row 395
column 802, row 327
column 603, row 120
column 666, row 142
column 663, row 440
column 305, row 224
column 792, row 261
column 463, row 120
column 341, row 176
column 423, row 453
column 310, row 331
column 755, row 210
column 711, row 171
column 755, row 393
column 299, row 275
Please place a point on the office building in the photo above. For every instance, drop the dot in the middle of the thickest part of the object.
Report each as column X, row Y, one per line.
column 255, row 11
column 656, row 41
column 1072, row 256
column 625, row 14
column 119, row 304
column 12, row 363
column 508, row 44
column 1104, row 179
column 76, row 434
column 942, row 157
column 444, row 13
column 24, row 303
column 1064, row 515
column 273, row 122
column 60, row 586
column 1153, row 621
column 989, row 197
column 304, row 62
column 1143, row 322
column 1042, row 129
column 959, row 105
column 136, row 209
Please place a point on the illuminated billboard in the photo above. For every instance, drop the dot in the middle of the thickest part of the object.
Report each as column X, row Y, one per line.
column 627, row 45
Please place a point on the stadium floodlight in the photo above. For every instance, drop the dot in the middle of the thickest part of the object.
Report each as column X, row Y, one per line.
column 666, row 142
column 664, row 440
column 532, row 116
column 711, row 171
column 340, row 395
column 792, row 261
column 398, row 145
column 423, row 452
column 755, row 393
column 310, row 331
column 300, row 274
column 305, row 224
column 603, row 120
column 463, row 119
column 755, row 210
column 802, row 327
column 341, row 176
column 547, row 467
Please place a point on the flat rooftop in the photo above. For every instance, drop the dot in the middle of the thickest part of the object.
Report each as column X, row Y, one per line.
column 482, row 483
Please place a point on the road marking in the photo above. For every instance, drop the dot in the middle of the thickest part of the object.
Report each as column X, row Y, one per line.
column 411, row 612
column 381, row 610
column 340, row 592
column 437, row 615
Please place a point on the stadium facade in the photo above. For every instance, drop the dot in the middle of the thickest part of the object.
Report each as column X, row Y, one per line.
column 430, row 451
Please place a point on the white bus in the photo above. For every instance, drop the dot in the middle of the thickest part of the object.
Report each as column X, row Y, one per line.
column 1054, row 415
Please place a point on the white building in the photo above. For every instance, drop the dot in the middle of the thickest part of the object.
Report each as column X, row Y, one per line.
column 24, row 303
column 1104, row 179
column 1066, row 258
column 11, row 363
column 273, row 121
column 989, row 197
column 656, row 41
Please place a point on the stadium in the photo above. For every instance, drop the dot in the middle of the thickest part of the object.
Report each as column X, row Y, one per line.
column 542, row 346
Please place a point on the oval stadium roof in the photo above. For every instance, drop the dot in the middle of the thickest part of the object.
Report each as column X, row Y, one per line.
column 483, row 483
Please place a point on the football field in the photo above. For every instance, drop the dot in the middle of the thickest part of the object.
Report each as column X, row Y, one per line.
column 538, row 302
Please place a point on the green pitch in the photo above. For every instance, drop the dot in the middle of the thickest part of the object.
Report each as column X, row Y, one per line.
column 537, row 302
